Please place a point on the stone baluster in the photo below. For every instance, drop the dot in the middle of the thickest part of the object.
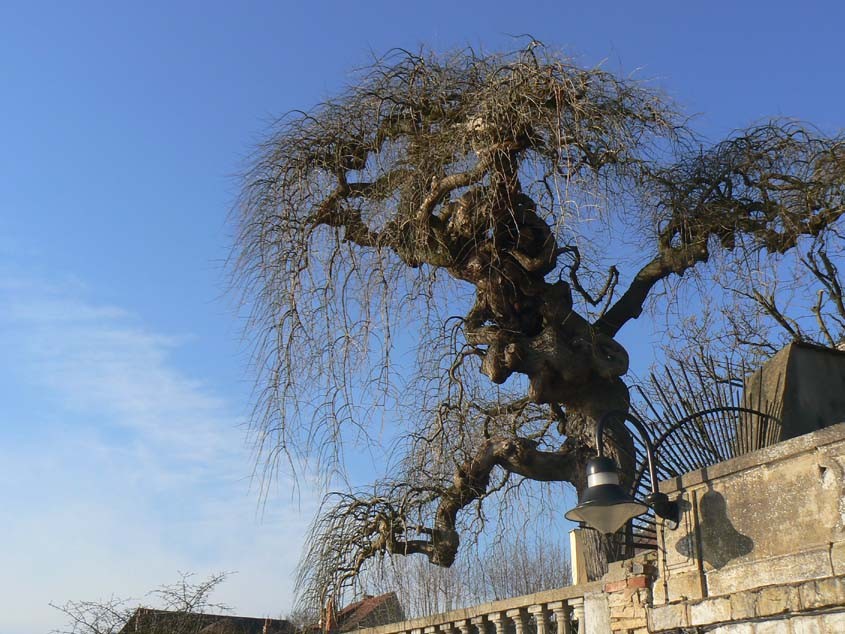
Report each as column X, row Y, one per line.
column 541, row 618
column 518, row 617
column 562, row 614
column 500, row 621
column 577, row 606
column 464, row 626
column 480, row 622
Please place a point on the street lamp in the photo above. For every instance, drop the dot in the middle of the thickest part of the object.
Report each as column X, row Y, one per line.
column 604, row 504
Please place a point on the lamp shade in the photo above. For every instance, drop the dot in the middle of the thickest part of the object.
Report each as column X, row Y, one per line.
column 604, row 505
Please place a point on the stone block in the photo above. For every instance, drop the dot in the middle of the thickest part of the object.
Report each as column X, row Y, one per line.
column 831, row 591
column 710, row 611
column 624, row 625
column 776, row 600
column 833, row 623
column 743, row 605
column 808, row 595
column 659, row 594
column 627, row 612
column 807, row 625
column 781, row 626
column 597, row 613
column 790, row 568
column 684, row 587
column 644, row 596
column 667, row 617
column 837, row 557
column 822, row 593
column 734, row 628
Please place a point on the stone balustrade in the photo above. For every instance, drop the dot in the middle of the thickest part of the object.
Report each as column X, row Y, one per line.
column 548, row 612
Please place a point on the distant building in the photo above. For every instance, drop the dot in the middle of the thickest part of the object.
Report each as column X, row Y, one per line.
column 148, row 621
column 368, row 612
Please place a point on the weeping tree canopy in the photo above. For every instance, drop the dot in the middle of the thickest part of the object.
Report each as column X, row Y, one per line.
column 451, row 246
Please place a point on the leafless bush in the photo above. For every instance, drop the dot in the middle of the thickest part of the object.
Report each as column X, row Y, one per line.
column 186, row 601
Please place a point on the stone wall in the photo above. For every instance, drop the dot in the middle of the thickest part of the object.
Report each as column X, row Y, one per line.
column 627, row 593
column 761, row 543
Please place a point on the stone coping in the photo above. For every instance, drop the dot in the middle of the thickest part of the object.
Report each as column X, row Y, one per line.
column 493, row 607
column 765, row 456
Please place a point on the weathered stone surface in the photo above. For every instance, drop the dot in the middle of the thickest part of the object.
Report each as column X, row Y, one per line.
column 735, row 526
column 687, row 586
column 676, row 562
column 837, row 555
column 596, row 613
column 734, row 628
column 823, row 593
column 785, row 568
column 744, row 526
column 627, row 612
column 807, row 625
column 808, row 385
column 666, row 617
column 615, row 586
column 623, row 625
column 780, row 626
column 710, row 611
column 824, row 438
column 775, row 600
column 743, row 605
column 833, row 623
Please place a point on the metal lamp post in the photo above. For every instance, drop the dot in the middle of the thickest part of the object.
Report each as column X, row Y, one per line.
column 604, row 504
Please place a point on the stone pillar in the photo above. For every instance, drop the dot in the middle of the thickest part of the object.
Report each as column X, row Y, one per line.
column 463, row 626
column 541, row 618
column 804, row 385
column 597, row 613
column 577, row 556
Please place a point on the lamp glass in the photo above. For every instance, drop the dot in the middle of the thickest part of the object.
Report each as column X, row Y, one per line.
column 606, row 517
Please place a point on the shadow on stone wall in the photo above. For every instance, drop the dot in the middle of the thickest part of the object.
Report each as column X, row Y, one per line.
column 720, row 541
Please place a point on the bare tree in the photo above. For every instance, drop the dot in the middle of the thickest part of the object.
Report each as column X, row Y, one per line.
column 186, row 601
column 521, row 564
column 767, row 302
column 547, row 204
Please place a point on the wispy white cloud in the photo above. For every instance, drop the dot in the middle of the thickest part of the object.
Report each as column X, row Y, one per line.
column 118, row 468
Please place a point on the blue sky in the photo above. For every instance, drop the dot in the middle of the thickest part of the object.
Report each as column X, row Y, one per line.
column 122, row 129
